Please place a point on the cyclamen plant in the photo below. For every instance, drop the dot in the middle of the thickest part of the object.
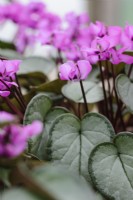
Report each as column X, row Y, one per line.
column 71, row 137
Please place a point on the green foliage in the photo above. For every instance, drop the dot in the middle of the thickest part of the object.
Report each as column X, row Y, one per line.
column 7, row 45
column 93, row 92
column 20, row 193
column 64, row 185
column 40, row 108
column 29, row 80
column 124, row 88
column 53, row 86
column 51, row 183
column 4, row 176
column 71, row 140
column 33, row 64
column 111, row 167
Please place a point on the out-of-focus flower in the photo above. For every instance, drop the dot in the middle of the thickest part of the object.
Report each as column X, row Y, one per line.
column 97, row 29
column 24, row 37
column 49, row 22
column 76, row 22
column 118, row 56
column 114, row 33
column 97, row 51
column 61, row 40
column 73, row 53
column 127, row 37
column 75, row 71
column 6, row 117
column 13, row 138
column 8, row 68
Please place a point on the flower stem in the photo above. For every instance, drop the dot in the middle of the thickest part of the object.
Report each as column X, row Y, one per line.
column 13, row 108
column 109, row 90
column 19, row 88
column 117, row 100
column 10, row 89
column 84, row 97
column 130, row 70
column 104, row 91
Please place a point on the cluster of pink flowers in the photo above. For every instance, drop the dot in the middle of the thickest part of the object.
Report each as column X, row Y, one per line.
column 30, row 18
column 74, row 36
column 70, row 34
column 79, row 42
column 14, row 137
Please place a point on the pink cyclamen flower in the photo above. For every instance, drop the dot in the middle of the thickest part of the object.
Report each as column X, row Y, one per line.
column 97, row 29
column 97, row 51
column 8, row 69
column 75, row 71
column 13, row 138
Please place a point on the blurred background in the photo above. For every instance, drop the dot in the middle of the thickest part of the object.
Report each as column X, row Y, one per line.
column 114, row 12
column 111, row 12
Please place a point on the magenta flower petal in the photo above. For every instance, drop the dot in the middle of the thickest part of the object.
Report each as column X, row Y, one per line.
column 8, row 69
column 97, row 29
column 64, row 71
column 14, row 138
column 84, row 18
column 13, row 150
column 6, row 117
column 127, row 37
column 101, row 44
column 11, row 83
column 68, row 71
column 85, row 68
column 4, row 93
column 75, row 71
column 33, row 129
column 126, row 59
column 88, row 51
column 93, row 59
column 2, row 67
column 12, row 66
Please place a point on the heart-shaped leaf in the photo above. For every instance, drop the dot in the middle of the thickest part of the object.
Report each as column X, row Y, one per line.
column 111, row 167
column 125, row 90
column 93, row 91
column 72, row 141
column 40, row 108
